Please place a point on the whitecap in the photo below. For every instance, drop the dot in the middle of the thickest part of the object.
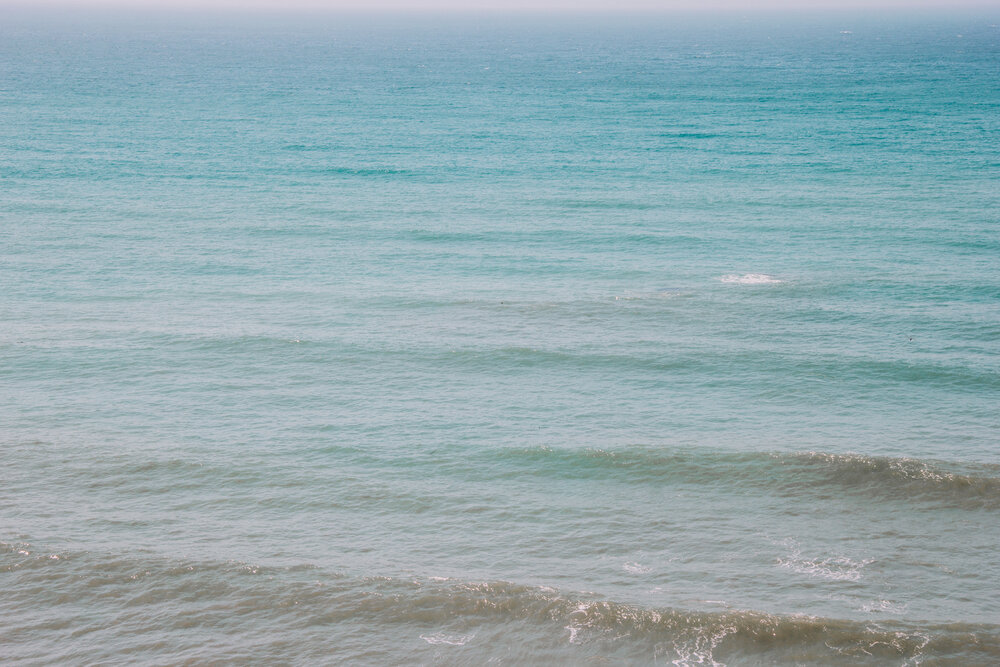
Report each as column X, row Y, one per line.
column 635, row 568
column 574, row 627
column 884, row 606
column 439, row 638
column 698, row 647
column 750, row 279
column 834, row 568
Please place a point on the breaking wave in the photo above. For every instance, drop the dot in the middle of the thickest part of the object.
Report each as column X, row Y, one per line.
column 969, row 486
column 151, row 607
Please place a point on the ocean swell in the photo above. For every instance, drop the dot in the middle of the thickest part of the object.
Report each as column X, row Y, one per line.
column 151, row 607
column 969, row 486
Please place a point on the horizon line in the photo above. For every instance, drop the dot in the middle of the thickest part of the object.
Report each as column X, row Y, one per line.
column 495, row 7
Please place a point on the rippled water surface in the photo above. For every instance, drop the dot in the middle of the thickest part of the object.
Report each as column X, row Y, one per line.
column 470, row 340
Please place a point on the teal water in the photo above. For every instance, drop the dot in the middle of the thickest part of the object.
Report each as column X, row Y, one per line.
column 461, row 340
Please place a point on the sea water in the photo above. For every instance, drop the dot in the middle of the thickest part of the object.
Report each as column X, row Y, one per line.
column 518, row 340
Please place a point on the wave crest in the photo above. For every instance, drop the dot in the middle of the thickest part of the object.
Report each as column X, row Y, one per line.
column 144, row 607
column 968, row 486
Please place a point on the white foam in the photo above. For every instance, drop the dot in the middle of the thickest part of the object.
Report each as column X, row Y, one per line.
column 838, row 568
column 439, row 638
column 750, row 279
column 635, row 568
column 834, row 568
column 574, row 627
column 879, row 606
column 697, row 648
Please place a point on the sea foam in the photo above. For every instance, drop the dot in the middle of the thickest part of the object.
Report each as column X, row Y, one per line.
column 750, row 279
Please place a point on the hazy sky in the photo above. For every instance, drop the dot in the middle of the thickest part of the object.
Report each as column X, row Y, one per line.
column 517, row 5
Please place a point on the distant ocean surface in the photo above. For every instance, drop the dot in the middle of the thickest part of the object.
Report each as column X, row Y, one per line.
column 481, row 340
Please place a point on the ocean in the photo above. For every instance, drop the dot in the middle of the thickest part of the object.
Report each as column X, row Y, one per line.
column 482, row 339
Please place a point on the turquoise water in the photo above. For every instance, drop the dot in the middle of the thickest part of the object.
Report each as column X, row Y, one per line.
column 521, row 340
